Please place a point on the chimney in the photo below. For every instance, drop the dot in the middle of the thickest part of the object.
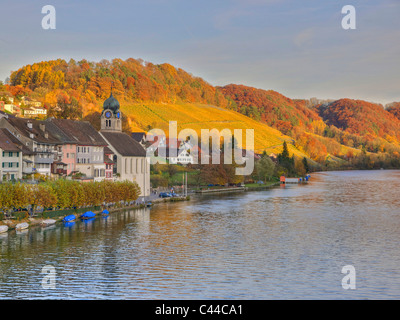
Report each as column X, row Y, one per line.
column 29, row 124
column 42, row 126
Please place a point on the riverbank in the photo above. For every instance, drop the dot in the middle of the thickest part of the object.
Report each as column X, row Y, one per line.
column 32, row 221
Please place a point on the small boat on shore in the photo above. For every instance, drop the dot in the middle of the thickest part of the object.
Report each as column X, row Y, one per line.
column 69, row 218
column 48, row 222
column 105, row 212
column 21, row 226
column 3, row 229
column 88, row 215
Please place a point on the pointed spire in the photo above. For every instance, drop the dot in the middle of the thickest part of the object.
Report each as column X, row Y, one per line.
column 112, row 84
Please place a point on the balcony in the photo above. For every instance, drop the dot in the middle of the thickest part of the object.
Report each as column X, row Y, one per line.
column 38, row 159
column 44, row 150
column 61, row 172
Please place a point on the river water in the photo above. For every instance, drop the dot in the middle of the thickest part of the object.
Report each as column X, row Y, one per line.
column 284, row 243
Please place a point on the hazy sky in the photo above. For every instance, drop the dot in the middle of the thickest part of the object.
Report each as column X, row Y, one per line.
column 295, row 47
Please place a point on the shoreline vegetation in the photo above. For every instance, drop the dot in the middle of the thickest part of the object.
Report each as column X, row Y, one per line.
column 24, row 202
column 58, row 215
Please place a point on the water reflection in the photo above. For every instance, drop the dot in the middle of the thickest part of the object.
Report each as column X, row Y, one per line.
column 281, row 243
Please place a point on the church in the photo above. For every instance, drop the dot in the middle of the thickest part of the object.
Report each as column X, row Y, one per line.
column 130, row 162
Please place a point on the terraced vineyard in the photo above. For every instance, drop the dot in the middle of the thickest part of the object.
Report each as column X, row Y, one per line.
column 199, row 116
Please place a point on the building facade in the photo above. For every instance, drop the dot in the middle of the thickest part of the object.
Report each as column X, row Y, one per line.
column 10, row 158
column 129, row 157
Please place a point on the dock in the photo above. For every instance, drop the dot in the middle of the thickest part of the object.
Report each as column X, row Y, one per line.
column 223, row 190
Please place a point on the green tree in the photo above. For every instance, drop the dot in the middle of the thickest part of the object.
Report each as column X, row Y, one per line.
column 265, row 168
column 285, row 161
column 305, row 163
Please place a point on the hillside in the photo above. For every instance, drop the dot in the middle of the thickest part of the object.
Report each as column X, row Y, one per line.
column 270, row 107
column 341, row 128
column 143, row 116
column 151, row 95
column 361, row 118
column 394, row 108
column 132, row 80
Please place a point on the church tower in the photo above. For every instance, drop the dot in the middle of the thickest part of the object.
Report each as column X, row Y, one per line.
column 111, row 116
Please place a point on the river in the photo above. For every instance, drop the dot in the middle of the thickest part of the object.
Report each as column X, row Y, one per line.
column 284, row 243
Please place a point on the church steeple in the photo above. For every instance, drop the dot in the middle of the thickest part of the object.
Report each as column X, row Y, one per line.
column 111, row 116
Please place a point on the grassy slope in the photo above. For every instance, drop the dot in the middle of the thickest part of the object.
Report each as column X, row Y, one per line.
column 198, row 116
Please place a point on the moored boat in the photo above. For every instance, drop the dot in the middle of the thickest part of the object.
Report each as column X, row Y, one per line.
column 69, row 218
column 22, row 226
column 88, row 215
column 48, row 222
column 105, row 212
column 3, row 229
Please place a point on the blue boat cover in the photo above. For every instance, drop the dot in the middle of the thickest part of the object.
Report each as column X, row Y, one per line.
column 71, row 217
column 88, row 214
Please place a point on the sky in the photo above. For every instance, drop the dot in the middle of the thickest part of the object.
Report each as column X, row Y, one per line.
column 297, row 48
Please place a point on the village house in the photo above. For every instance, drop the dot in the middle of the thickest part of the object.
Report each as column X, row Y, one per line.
column 32, row 112
column 82, row 148
column 28, row 156
column 31, row 102
column 140, row 137
column 10, row 158
column 12, row 108
column 34, row 136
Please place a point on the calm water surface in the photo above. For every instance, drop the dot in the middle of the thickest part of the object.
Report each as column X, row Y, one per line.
column 283, row 243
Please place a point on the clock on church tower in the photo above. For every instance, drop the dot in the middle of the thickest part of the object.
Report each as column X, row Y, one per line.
column 111, row 115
